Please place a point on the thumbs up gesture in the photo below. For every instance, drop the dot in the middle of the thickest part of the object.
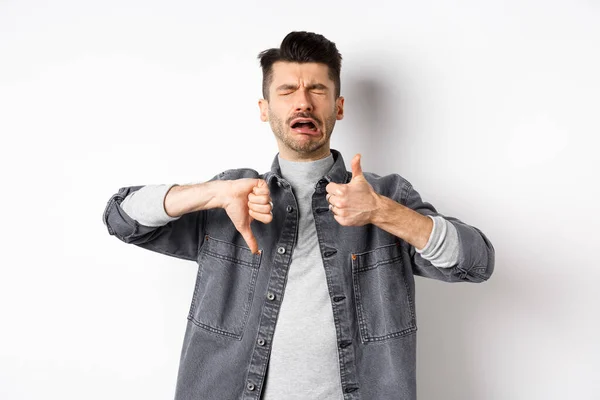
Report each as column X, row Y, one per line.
column 354, row 203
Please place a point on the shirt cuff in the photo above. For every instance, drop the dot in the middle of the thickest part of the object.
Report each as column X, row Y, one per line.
column 147, row 205
column 442, row 247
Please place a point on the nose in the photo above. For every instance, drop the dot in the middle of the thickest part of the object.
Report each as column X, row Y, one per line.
column 303, row 101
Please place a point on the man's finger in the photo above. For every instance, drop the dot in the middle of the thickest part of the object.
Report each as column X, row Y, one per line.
column 250, row 239
column 262, row 199
column 265, row 218
column 334, row 189
column 356, row 168
column 260, row 208
column 335, row 203
column 261, row 187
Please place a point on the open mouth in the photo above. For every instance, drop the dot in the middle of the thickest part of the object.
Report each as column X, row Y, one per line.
column 304, row 125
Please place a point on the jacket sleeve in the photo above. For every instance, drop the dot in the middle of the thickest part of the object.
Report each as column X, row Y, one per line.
column 179, row 237
column 476, row 254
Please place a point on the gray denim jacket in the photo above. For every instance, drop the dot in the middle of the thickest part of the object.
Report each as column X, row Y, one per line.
column 236, row 300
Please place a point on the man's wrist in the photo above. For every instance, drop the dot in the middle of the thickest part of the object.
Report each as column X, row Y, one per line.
column 402, row 222
column 183, row 199
column 382, row 208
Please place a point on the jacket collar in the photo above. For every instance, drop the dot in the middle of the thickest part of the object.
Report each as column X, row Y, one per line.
column 337, row 173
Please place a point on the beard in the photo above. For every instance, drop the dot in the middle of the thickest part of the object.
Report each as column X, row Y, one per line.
column 283, row 132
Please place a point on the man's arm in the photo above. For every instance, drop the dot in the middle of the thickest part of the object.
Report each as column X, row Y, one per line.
column 142, row 220
column 356, row 203
column 433, row 237
column 476, row 255
column 147, row 207
column 242, row 199
column 450, row 250
column 401, row 221
column 442, row 248
column 169, row 219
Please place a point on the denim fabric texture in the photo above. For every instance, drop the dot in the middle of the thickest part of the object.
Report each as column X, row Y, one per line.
column 370, row 277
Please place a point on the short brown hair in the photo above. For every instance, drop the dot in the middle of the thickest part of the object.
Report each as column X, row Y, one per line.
column 302, row 47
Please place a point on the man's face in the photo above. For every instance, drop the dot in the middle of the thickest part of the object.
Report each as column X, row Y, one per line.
column 302, row 109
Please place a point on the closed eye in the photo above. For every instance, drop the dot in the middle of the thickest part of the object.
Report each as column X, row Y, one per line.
column 287, row 89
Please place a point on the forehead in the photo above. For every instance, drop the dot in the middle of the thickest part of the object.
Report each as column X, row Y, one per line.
column 287, row 72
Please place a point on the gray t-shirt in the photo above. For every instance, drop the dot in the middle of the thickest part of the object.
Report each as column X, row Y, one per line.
column 304, row 359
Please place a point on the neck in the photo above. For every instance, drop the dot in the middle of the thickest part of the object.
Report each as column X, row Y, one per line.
column 290, row 155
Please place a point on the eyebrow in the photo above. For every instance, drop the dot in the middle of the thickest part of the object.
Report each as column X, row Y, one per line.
column 289, row 86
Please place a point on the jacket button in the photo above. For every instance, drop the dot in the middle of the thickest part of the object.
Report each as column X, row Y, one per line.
column 271, row 296
column 250, row 386
column 345, row 343
column 261, row 342
column 338, row 298
column 289, row 209
column 281, row 250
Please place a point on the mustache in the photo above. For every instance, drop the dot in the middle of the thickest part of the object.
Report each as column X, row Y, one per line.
column 303, row 115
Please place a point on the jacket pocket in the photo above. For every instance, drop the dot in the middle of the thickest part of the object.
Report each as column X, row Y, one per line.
column 384, row 302
column 224, row 287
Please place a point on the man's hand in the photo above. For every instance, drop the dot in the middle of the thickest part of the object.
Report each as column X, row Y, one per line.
column 357, row 204
column 354, row 203
column 245, row 200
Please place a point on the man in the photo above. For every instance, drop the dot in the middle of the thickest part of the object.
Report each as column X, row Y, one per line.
column 305, row 285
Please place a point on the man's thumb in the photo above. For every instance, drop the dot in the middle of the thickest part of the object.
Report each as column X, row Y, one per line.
column 250, row 239
column 356, row 168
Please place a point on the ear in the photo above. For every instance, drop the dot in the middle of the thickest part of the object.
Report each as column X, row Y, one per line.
column 264, row 110
column 339, row 103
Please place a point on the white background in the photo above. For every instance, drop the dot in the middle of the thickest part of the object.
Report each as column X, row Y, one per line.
column 489, row 109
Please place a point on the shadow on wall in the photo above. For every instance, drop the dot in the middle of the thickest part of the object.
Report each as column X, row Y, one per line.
column 381, row 117
column 379, row 114
column 364, row 116
column 373, row 121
